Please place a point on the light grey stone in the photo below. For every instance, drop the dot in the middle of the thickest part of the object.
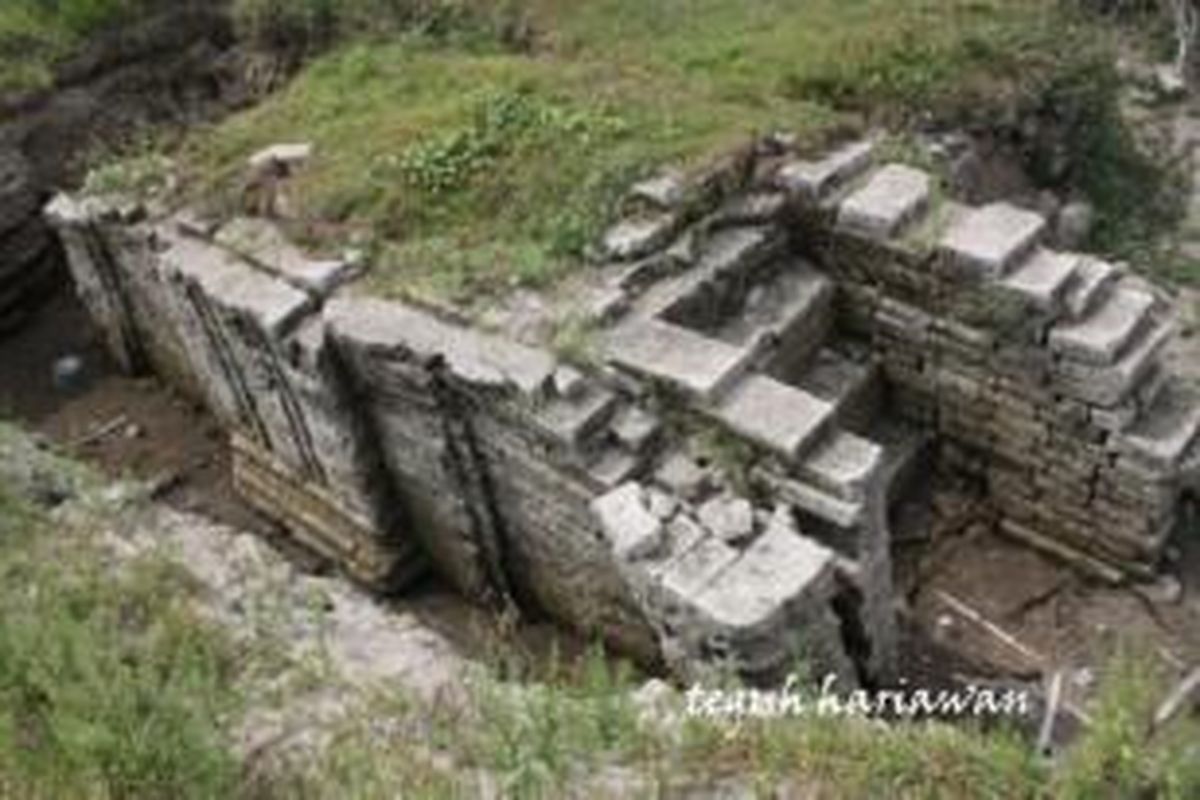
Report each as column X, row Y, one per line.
column 1166, row 431
column 569, row 382
column 665, row 191
column 779, row 569
column 633, row 532
column 729, row 518
column 635, row 429
column 992, row 239
column 571, row 420
column 814, row 180
column 1044, row 278
column 636, row 238
column 683, row 358
column 1108, row 386
column 777, row 416
column 265, row 244
column 287, row 155
column 894, row 197
column 472, row 356
column 661, row 504
column 844, row 464
column 1093, row 280
column 1099, row 338
column 683, row 476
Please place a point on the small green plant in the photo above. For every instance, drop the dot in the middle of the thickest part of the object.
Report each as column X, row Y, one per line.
column 144, row 176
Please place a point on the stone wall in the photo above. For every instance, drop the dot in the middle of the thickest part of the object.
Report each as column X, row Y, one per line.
column 824, row 319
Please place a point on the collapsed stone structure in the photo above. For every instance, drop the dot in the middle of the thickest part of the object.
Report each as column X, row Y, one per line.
column 825, row 319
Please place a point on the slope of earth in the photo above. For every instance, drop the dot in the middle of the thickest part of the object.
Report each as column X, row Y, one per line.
column 486, row 151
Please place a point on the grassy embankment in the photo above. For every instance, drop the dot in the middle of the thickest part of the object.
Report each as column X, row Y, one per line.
column 114, row 683
column 486, row 149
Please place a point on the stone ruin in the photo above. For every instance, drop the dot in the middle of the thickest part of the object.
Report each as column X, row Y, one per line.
column 839, row 324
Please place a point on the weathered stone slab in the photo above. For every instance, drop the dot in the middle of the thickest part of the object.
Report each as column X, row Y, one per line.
column 573, row 420
column 1101, row 337
column 844, row 464
column 782, row 418
column 1094, row 279
column 1044, row 278
column 275, row 305
column 262, row 242
column 992, row 239
column 636, row 238
column 700, row 365
column 683, row 477
column 1108, row 386
column 814, row 180
column 895, row 196
column 729, row 518
column 288, row 155
column 632, row 530
column 471, row 356
column 635, row 429
column 777, row 570
column 1166, row 431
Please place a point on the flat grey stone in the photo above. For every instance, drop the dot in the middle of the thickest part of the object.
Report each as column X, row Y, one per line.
column 571, row 420
column 844, row 464
column 615, row 467
column 894, row 197
column 683, row 476
column 1099, row 338
column 637, row 238
column 685, row 577
column 1044, row 278
column 665, row 191
column 630, row 528
column 264, row 243
column 635, row 429
column 779, row 569
column 1093, row 280
column 785, row 419
column 992, row 239
column 1166, row 431
column 814, row 180
column 739, row 249
column 729, row 518
column 471, row 356
column 1111, row 385
column 289, row 155
column 232, row 283
column 683, row 358
column 569, row 382
column 819, row 502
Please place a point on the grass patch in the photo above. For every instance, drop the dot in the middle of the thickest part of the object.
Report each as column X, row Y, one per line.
column 109, row 685
column 481, row 160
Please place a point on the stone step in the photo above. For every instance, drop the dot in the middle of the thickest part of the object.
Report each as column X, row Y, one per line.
column 991, row 240
column 262, row 242
column 1044, row 279
column 779, row 417
column 814, row 181
column 786, row 318
column 818, row 502
column 613, row 466
column 572, row 420
column 853, row 387
column 893, row 198
column 844, row 465
column 700, row 365
column 738, row 250
column 1094, row 280
column 1102, row 336
column 1167, row 429
column 1110, row 385
column 751, row 596
column 634, row 429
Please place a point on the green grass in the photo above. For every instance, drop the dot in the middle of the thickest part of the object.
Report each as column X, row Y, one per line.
column 110, row 687
column 471, row 163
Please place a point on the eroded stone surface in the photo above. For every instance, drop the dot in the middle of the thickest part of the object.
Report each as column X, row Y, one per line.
column 895, row 196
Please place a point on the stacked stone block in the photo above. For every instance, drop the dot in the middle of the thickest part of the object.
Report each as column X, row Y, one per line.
column 1039, row 369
